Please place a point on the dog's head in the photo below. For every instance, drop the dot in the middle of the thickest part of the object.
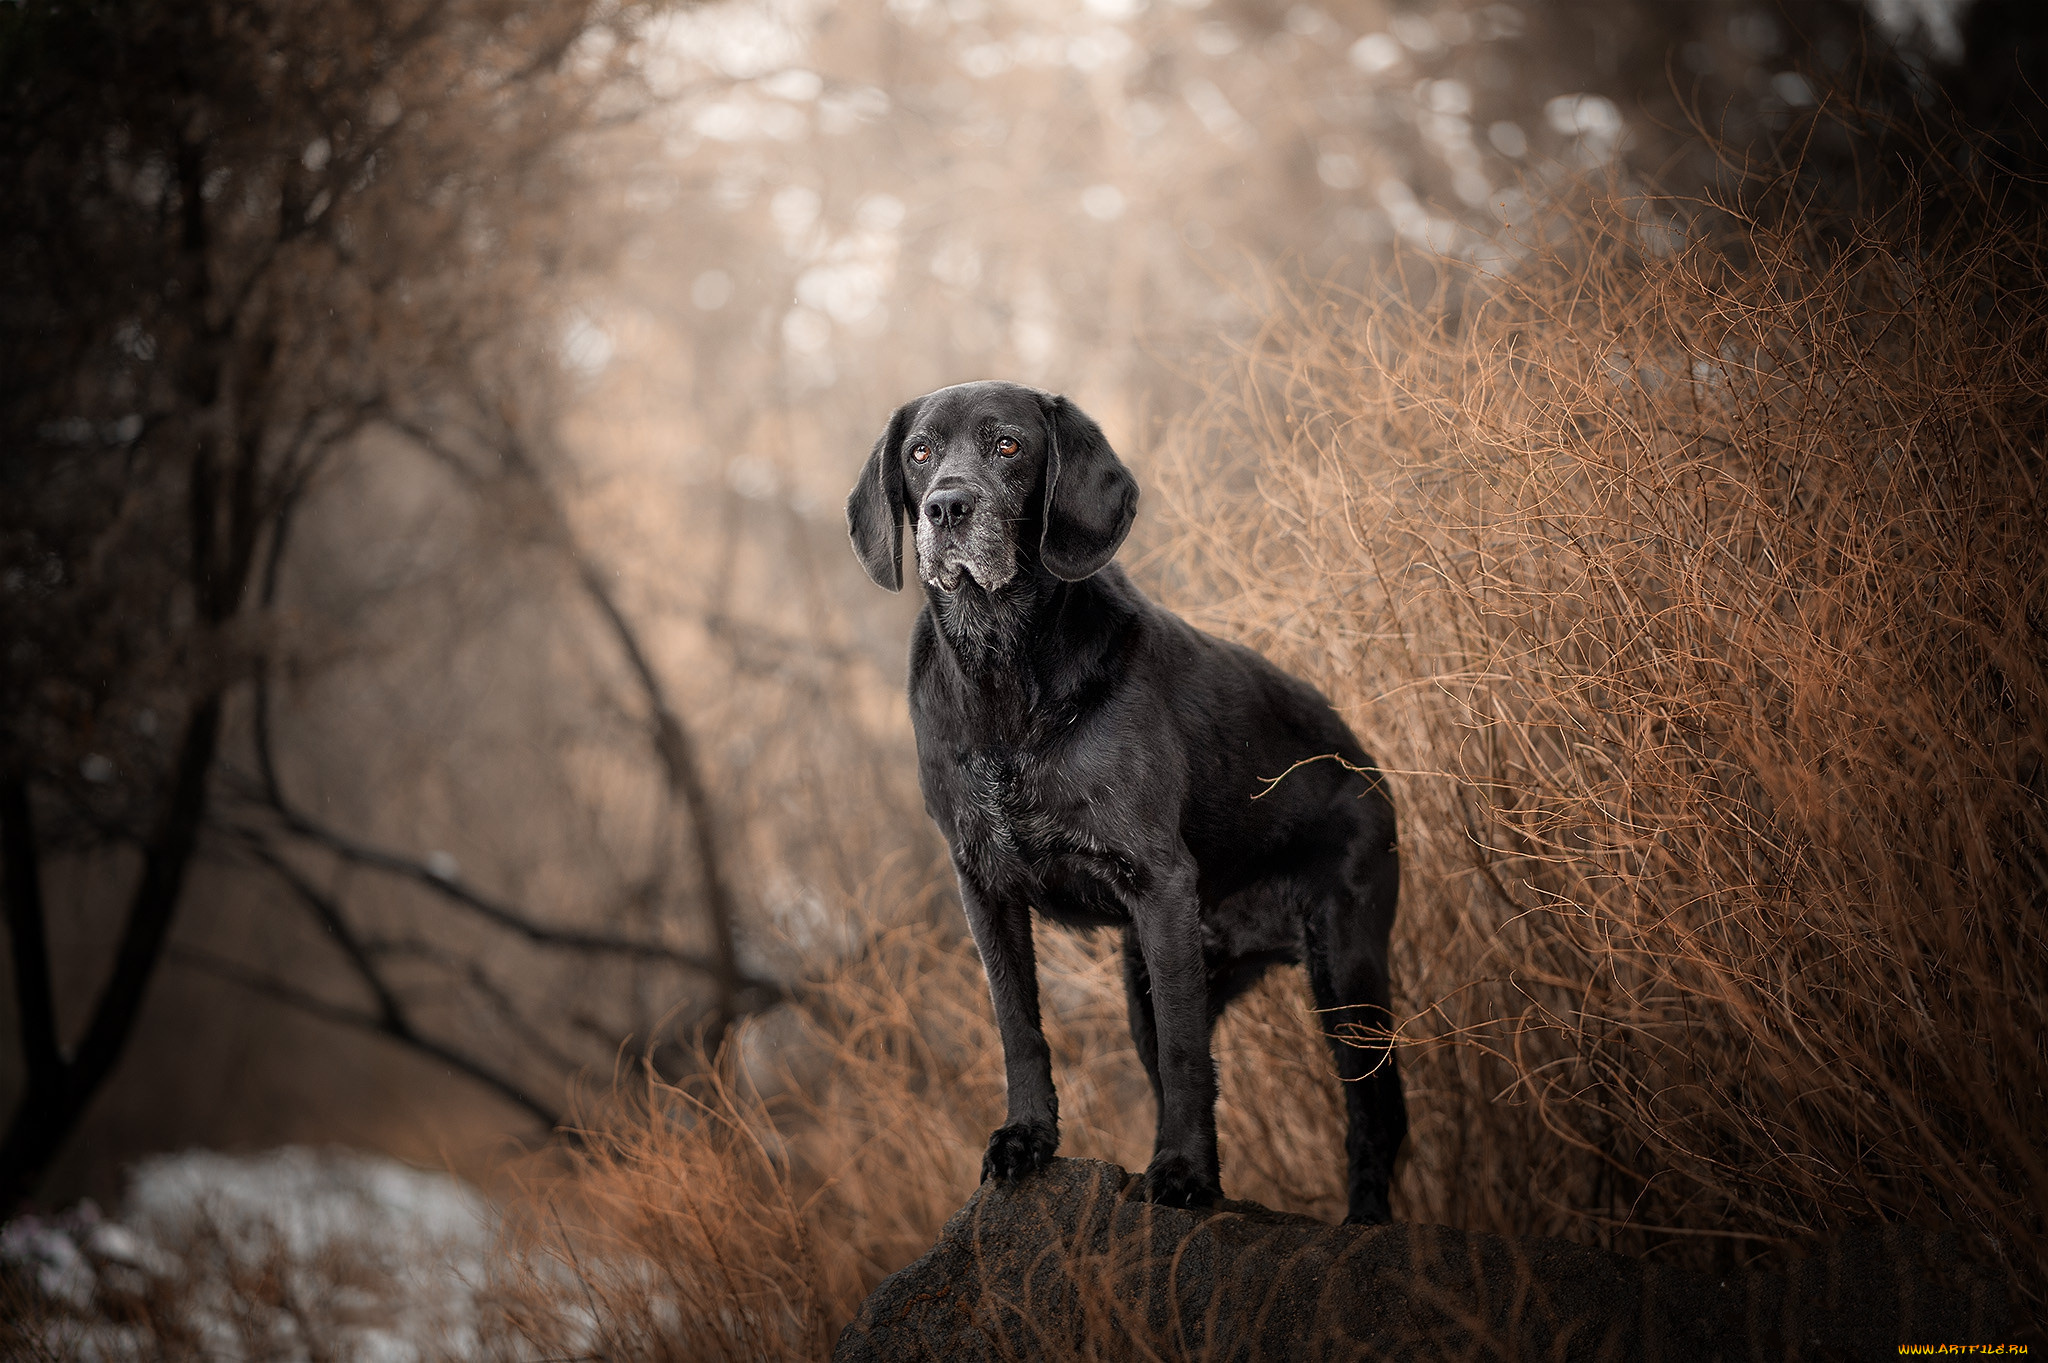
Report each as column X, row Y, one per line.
column 995, row 477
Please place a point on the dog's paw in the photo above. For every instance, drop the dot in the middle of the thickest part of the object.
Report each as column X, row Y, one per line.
column 1174, row 1181
column 1018, row 1149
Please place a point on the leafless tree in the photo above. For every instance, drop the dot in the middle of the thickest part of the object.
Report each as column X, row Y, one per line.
column 240, row 237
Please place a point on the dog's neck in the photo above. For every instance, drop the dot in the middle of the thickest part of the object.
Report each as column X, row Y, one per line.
column 991, row 631
column 994, row 637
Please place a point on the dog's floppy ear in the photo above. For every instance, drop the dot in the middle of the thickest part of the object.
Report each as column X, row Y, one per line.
column 1090, row 497
column 874, row 509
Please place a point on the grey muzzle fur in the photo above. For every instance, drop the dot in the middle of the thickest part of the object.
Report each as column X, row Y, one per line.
column 977, row 539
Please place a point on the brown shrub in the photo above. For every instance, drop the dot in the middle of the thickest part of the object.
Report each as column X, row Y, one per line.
column 1690, row 578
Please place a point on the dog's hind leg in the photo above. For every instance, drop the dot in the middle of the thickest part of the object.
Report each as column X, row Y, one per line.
column 1346, row 931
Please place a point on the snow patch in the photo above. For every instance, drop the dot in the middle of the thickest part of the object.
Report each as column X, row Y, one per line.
column 369, row 1259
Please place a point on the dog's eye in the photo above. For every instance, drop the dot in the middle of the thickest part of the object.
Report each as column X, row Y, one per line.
column 1006, row 446
column 920, row 452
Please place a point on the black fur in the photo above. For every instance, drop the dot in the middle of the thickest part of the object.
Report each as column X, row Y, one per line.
column 1093, row 756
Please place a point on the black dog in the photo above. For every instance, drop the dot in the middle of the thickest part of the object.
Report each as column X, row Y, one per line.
column 1088, row 753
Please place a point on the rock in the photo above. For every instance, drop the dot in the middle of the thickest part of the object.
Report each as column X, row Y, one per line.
column 1071, row 1264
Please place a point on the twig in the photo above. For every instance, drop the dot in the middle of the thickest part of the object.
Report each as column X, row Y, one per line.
column 280, row 992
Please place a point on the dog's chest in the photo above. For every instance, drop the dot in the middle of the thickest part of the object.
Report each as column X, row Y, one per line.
column 1005, row 812
column 1011, row 775
column 1021, row 831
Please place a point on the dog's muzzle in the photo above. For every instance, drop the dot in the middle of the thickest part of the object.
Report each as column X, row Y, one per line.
column 956, row 536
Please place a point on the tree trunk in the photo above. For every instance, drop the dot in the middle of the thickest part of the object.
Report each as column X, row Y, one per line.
column 59, row 1088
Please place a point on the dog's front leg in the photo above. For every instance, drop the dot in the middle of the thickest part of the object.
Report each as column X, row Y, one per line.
column 1184, row 1170
column 1031, row 1132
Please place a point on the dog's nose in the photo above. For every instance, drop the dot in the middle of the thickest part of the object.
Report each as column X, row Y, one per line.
column 948, row 507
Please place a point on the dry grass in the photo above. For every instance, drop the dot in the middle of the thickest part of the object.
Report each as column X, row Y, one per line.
column 1692, row 585
column 746, row 1215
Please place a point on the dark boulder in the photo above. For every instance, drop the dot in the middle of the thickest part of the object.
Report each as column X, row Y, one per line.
column 1069, row 1264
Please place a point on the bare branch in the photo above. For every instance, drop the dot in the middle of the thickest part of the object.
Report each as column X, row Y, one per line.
column 392, row 1017
column 281, row 992
column 673, row 742
column 390, row 1012
column 374, row 949
column 501, row 1003
column 453, row 888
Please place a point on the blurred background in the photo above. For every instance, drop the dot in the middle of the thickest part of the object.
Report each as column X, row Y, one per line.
column 434, row 678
